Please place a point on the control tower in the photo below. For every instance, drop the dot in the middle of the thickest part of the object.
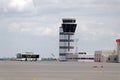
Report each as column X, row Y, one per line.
column 118, row 49
column 66, row 38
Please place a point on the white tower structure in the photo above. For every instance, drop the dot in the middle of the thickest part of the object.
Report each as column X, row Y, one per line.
column 66, row 38
column 118, row 49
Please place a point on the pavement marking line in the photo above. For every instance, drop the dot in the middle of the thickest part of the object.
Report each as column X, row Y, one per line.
column 34, row 78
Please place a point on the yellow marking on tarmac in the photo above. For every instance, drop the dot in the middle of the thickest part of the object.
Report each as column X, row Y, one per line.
column 34, row 78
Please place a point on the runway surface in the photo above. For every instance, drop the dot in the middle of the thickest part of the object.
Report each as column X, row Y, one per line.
column 15, row 70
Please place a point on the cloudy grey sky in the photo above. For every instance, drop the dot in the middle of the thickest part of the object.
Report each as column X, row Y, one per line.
column 33, row 25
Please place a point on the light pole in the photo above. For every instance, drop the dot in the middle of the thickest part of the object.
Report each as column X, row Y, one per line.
column 76, row 44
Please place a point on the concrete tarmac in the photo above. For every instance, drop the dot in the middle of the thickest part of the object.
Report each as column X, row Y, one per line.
column 17, row 70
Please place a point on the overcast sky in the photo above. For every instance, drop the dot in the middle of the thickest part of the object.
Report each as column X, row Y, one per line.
column 33, row 25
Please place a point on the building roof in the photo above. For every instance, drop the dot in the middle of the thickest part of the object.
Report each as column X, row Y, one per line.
column 118, row 40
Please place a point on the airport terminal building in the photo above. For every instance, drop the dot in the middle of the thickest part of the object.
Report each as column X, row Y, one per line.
column 105, row 56
column 108, row 55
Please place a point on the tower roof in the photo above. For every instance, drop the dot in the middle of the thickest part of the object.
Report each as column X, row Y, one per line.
column 68, row 20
